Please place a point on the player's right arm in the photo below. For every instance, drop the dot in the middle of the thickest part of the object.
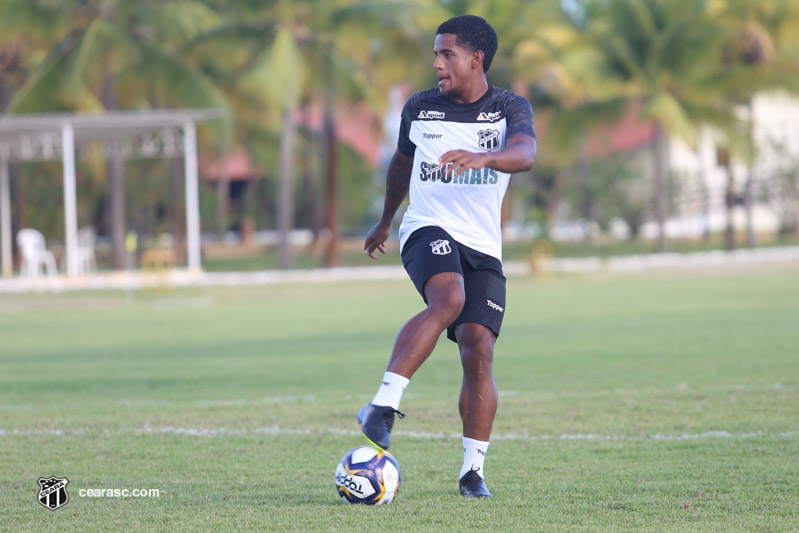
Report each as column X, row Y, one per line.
column 398, row 179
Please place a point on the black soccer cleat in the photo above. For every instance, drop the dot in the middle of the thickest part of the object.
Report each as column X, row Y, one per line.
column 376, row 423
column 473, row 486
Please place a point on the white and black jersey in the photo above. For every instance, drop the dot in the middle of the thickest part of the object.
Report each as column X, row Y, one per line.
column 467, row 206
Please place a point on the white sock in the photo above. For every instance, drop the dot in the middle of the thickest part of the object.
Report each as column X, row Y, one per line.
column 390, row 391
column 474, row 455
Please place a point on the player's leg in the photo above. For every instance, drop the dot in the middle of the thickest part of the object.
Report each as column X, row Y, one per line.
column 478, row 400
column 434, row 266
column 416, row 340
column 477, row 403
column 476, row 331
column 445, row 295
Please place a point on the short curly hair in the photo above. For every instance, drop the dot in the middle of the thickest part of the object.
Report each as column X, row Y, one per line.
column 473, row 33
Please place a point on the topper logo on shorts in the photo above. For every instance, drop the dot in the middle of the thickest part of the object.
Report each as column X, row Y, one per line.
column 440, row 247
column 494, row 306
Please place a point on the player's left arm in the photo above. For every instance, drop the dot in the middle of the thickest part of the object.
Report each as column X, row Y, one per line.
column 517, row 156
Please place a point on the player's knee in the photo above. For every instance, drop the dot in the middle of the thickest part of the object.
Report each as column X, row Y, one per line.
column 477, row 357
column 448, row 304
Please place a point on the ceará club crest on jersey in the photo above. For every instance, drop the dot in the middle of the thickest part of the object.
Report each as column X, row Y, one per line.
column 488, row 140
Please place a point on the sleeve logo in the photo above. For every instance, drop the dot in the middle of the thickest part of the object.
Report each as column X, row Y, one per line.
column 489, row 117
column 431, row 114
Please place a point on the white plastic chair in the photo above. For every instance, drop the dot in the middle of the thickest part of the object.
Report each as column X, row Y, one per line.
column 34, row 254
column 87, row 260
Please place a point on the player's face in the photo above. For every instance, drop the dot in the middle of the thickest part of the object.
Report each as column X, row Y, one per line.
column 455, row 66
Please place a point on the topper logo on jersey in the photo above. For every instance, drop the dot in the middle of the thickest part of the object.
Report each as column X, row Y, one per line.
column 489, row 117
column 488, row 140
column 440, row 247
column 431, row 114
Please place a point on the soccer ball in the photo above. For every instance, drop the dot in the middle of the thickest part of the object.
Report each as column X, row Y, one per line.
column 368, row 475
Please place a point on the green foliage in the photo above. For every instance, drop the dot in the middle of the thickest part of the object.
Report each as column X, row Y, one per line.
column 615, row 190
column 682, row 63
column 783, row 189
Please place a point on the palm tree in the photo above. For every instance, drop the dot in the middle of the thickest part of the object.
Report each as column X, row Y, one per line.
column 655, row 53
column 357, row 67
column 658, row 51
column 760, row 54
column 25, row 36
column 102, row 46
column 304, row 53
column 572, row 97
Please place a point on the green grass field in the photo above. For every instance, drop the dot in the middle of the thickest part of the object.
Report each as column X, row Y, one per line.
column 647, row 402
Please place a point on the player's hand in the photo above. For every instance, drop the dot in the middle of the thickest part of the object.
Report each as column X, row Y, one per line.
column 376, row 240
column 461, row 160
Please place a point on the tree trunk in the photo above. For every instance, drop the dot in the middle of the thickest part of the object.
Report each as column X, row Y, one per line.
column 331, row 190
column 729, row 200
column 586, row 206
column 176, row 214
column 9, row 65
column 310, row 171
column 554, row 195
column 660, row 186
column 5, row 93
column 285, row 207
column 223, row 190
column 19, row 219
column 751, row 240
column 115, row 166
column 705, row 196
column 117, row 205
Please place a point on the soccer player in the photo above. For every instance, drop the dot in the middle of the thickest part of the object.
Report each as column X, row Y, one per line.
column 458, row 145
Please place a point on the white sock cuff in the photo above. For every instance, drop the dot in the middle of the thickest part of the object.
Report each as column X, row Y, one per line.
column 390, row 390
column 474, row 454
column 478, row 443
column 391, row 377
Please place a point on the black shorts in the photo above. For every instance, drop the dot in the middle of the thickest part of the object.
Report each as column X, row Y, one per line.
column 431, row 250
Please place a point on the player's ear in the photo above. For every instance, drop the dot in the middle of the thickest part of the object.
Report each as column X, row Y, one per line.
column 477, row 59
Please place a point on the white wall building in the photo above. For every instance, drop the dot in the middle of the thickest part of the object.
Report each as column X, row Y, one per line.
column 699, row 179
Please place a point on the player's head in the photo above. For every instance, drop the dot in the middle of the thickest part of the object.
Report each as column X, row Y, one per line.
column 473, row 34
